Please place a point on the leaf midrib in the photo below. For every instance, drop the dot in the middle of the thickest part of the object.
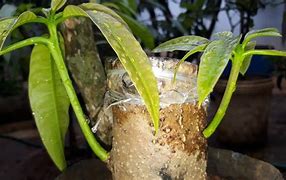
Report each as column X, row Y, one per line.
column 53, row 81
column 118, row 42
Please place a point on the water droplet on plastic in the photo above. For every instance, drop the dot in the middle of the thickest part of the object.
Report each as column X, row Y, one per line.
column 167, row 130
column 94, row 129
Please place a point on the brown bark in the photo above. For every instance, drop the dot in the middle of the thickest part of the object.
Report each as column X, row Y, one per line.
column 84, row 63
column 178, row 151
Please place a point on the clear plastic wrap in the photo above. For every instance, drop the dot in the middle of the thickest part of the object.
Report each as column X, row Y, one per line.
column 182, row 90
column 121, row 89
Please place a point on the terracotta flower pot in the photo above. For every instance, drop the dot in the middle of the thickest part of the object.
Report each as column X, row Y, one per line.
column 245, row 122
column 178, row 151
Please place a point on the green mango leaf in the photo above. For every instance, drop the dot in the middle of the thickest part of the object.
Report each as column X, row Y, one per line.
column 49, row 103
column 8, row 25
column 246, row 62
column 103, row 9
column 133, row 58
column 57, row 4
column 183, row 43
column 111, row 5
column 225, row 35
column 260, row 33
column 213, row 62
column 5, row 25
column 139, row 30
column 124, row 8
column 72, row 10
column 132, row 4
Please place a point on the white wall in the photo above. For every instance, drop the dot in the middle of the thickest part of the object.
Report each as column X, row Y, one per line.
column 268, row 17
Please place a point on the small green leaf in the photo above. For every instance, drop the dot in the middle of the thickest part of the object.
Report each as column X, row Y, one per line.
column 246, row 62
column 139, row 30
column 133, row 58
column 49, row 103
column 225, row 35
column 260, row 33
column 213, row 62
column 183, row 43
column 57, row 4
column 8, row 25
column 264, row 32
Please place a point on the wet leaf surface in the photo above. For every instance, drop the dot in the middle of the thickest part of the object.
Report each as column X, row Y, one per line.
column 133, row 59
column 49, row 103
column 213, row 62
column 183, row 43
column 7, row 25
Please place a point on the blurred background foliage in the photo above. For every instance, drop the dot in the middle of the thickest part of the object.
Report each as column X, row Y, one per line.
column 151, row 21
column 14, row 67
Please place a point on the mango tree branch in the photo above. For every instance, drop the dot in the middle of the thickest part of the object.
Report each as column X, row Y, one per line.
column 59, row 61
column 26, row 42
column 265, row 52
column 230, row 88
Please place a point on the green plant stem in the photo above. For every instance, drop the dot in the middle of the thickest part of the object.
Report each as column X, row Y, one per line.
column 39, row 20
column 230, row 88
column 191, row 52
column 26, row 42
column 59, row 61
column 265, row 52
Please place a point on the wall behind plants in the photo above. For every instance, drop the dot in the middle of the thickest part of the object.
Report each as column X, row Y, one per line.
column 270, row 16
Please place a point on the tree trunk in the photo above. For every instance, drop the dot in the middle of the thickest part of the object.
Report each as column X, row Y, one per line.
column 178, row 151
column 84, row 63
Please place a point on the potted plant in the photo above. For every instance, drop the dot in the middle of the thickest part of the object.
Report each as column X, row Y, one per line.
column 50, row 88
column 214, row 59
column 51, row 92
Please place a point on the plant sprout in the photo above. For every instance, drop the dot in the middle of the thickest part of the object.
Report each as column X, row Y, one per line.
column 215, row 57
column 50, row 88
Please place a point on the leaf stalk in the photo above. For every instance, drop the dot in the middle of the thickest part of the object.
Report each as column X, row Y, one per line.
column 59, row 61
column 265, row 52
column 26, row 42
column 230, row 88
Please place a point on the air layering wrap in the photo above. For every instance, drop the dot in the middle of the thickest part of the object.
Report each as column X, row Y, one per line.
column 178, row 151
